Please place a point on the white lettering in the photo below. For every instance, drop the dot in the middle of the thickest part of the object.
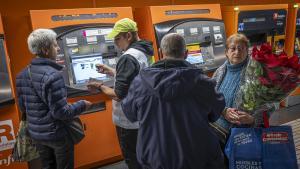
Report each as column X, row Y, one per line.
column 248, row 165
column 7, row 161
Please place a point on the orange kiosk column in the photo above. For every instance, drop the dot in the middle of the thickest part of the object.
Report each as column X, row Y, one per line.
column 200, row 25
column 82, row 37
column 9, row 115
column 294, row 47
column 260, row 23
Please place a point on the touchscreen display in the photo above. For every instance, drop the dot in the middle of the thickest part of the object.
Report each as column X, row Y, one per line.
column 194, row 54
column 85, row 68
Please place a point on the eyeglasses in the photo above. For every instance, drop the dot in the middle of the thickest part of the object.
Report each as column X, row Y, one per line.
column 239, row 48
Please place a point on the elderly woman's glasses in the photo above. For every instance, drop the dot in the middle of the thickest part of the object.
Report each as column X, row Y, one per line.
column 239, row 48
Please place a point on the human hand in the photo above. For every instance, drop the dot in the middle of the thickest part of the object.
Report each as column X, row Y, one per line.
column 88, row 104
column 101, row 68
column 245, row 118
column 232, row 115
column 94, row 87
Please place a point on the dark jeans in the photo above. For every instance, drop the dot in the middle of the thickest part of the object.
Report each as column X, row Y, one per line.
column 127, row 139
column 56, row 154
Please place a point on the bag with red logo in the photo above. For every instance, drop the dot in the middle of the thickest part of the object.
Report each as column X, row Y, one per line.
column 261, row 148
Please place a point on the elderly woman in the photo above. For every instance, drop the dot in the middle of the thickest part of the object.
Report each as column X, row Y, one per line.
column 42, row 98
column 229, row 77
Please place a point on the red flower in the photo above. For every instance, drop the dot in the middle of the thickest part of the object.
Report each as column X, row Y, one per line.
column 272, row 61
column 279, row 70
column 284, row 59
column 272, row 75
column 258, row 55
column 294, row 62
column 266, row 49
column 264, row 81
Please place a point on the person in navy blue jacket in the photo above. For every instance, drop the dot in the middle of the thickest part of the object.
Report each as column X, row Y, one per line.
column 42, row 97
column 174, row 102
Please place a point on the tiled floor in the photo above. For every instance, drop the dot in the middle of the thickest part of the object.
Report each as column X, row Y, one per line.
column 285, row 115
column 119, row 165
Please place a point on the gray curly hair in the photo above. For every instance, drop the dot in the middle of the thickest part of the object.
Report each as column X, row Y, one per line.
column 40, row 39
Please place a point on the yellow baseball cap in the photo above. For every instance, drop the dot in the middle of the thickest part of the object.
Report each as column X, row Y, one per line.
column 123, row 25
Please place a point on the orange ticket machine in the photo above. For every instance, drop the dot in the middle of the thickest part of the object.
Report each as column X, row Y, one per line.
column 200, row 25
column 260, row 23
column 9, row 116
column 83, row 42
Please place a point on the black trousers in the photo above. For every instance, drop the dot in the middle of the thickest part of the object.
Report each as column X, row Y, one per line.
column 127, row 140
column 56, row 154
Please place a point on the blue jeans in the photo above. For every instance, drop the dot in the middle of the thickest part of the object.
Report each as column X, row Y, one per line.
column 56, row 154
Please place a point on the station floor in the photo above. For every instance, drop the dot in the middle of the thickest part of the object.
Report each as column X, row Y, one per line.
column 279, row 117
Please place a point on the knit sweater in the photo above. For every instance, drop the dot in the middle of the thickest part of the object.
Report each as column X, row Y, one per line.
column 230, row 83
column 229, row 86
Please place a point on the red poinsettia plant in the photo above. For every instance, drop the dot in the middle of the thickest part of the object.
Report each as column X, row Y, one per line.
column 269, row 78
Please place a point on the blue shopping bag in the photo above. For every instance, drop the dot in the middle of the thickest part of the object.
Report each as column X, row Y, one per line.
column 261, row 148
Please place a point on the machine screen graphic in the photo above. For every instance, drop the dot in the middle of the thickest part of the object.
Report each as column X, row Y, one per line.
column 194, row 54
column 85, row 68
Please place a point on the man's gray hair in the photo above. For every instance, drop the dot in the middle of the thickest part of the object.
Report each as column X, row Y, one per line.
column 173, row 45
column 40, row 39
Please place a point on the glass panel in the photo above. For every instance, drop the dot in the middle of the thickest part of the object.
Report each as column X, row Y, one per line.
column 5, row 86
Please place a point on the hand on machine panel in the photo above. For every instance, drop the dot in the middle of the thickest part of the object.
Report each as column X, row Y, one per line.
column 94, row 85
column 88, row 104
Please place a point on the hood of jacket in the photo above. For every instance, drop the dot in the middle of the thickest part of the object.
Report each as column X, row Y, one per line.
column 144, row 46
column 171, row 78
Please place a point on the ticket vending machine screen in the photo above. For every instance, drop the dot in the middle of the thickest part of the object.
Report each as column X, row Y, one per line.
column 85, row 68
column 81, row 50
column 205, row 41
column 194, row 54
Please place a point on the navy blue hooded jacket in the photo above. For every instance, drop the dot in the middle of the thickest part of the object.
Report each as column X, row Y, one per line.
column 174, row 103
column 44, row 100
